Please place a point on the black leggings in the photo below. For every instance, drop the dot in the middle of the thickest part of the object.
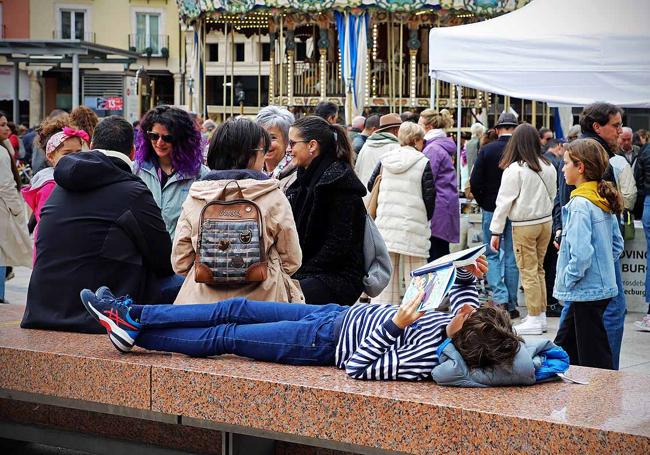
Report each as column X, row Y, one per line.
column 583, row 336
column 438, row 248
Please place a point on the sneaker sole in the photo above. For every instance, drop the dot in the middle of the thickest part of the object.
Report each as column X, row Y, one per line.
column 120, row 338
column 529, row 332
column 642, row 328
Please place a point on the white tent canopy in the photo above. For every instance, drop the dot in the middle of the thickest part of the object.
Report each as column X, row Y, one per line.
column 571, row 52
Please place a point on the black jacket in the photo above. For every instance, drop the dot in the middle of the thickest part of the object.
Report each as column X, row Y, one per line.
column 564, row 191
column 100, row 226
column 486, row 174
column 428, row 187
column 642, row 172
column 330, row 218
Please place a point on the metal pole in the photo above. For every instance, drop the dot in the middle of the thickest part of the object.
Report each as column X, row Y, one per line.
column 225, row 65
column 401, row 63
column 432, row 94
column 259, row 68
column 16, row 110
column 75, row 80
column 459, row 107
column 232, row 72
column 281, row 49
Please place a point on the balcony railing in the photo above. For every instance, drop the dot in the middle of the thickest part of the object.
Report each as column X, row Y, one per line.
column 86, row 36
column 149, row 45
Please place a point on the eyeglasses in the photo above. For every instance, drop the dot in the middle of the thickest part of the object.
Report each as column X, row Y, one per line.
column 165, row 137
column 261, row 149
column 293, row 143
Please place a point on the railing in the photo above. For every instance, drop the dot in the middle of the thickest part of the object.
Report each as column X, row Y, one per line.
column 149, row 45
column 306, row 79
column 86, row 36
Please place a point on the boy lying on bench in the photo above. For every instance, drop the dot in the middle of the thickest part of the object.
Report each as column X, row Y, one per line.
column 369, row 341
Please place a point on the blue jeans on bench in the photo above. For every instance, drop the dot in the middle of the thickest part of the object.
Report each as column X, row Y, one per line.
column 289, row 333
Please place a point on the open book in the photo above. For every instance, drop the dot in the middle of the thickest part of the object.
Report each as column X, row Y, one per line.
column 437, row 277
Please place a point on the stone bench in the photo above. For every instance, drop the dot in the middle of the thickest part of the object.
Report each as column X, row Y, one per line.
column 203, row 405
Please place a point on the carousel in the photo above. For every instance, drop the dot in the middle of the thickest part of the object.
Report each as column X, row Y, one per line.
column 366, row 56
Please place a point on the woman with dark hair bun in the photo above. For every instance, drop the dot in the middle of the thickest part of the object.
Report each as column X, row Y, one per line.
column 236, row 153
column 329, row 212
column 168, row 159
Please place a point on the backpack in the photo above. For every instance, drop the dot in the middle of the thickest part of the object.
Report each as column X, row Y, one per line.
column 230, row 247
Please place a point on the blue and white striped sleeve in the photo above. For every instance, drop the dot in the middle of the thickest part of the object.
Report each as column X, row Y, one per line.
column 374, row 359
column 463, row 292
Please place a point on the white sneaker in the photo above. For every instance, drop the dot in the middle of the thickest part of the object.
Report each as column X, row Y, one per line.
column 544, row 322
column 532, row 325
column 643, row 324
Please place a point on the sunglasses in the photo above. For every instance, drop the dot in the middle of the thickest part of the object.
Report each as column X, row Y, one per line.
column 165, row 137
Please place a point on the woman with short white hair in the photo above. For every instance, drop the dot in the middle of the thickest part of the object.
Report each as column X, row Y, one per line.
column 405, row 206
column 277, row 162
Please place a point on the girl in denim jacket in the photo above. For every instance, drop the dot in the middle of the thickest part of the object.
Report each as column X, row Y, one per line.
column 591, row 242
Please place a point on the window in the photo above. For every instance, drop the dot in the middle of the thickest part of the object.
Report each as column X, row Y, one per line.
column 266, row 52
column 213, row 52
column 72, row 24
column 239, row 52
column 147, row 33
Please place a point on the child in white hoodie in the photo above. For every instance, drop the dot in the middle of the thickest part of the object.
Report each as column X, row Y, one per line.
column 526, row 196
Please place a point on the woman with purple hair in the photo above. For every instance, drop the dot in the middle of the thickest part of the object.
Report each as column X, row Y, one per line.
column 168, row 159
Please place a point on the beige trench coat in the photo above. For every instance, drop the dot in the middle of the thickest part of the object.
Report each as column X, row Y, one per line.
column 280, row 238
column 15, row 244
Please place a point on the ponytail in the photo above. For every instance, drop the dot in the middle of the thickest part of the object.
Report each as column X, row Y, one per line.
column 611, row 194
column 333, row 139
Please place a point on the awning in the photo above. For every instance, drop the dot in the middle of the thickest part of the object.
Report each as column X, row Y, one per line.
column 571, row 52
column 61, row 51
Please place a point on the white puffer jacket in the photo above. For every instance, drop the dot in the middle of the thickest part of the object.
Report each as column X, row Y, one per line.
column 525, row 196
column 401, row 213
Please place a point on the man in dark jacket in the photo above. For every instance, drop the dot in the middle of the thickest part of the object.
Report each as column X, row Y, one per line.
column 503, row 274
column 100, row 226
column 603, row 123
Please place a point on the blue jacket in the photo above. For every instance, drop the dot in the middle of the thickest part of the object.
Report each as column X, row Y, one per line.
column 591, row 243
column 170, row 198
column 536, row 361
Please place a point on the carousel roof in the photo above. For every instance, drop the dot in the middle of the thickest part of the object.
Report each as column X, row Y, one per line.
column 190, row 10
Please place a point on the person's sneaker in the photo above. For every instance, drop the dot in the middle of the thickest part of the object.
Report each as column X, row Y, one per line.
column 10, row 276
column 113, row 314
column 531, row 325
column 104, row 293
column 544, row 322
column 643, row 324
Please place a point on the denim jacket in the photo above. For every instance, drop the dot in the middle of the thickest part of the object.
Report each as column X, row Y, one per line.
column 591, row 243
column 171, row 198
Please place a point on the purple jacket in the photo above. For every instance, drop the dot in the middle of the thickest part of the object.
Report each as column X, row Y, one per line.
column 445, row 223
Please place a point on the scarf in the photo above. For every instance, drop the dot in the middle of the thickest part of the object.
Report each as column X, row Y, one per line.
column 434, row 134
column 589, row 191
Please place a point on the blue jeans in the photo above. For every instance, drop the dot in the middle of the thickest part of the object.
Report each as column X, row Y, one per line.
column 613, row 318
column 645, row 219
column 3, row 270
column 502, row 274
column 287, row 333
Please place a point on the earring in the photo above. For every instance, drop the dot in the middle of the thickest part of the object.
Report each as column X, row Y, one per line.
column 311, row 153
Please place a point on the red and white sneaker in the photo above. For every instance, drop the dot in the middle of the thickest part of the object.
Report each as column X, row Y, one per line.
column 113, row 314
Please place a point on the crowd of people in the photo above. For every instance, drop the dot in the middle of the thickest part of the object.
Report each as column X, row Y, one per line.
column 118, row 211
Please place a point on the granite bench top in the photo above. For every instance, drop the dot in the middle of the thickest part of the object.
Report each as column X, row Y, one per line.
column 610, row 415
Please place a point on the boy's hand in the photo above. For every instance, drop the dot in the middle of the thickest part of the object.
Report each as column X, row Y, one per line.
column 479, row 268
column 408, row 313
column 495, row 242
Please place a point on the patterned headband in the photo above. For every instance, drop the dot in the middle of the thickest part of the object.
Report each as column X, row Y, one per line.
column 57, row 139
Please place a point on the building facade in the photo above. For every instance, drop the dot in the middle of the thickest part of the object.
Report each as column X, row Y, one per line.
column 148, row 28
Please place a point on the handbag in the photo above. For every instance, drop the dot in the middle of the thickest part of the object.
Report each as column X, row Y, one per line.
column 373, row 202
column 626, row 223
column 377, row 264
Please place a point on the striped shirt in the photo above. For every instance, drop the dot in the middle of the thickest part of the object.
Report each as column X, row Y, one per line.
column 371, row 346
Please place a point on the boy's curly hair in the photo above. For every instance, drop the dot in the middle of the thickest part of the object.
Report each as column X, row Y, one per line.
column 84, row 118
column 487, row 338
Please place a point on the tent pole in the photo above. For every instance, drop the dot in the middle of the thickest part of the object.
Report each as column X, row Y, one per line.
column 432, row 92
column 459, row 107
column 232, row 72
column 75, row 82
column 534, row 113
column 281, row 49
